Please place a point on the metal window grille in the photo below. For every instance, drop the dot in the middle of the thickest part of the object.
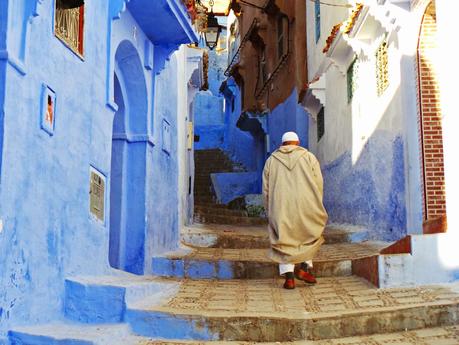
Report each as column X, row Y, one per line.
column 321, row 124
column 281, row 33
column 68, row 27
column 352, row 80
column 382, row 68
column 317, row 18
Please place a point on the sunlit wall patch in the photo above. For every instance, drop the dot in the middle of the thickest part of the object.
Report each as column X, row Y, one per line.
column 97, row 193
column 48, row 109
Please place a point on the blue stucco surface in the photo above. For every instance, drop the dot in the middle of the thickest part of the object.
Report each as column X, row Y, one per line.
column 209, row 120
column 48, row 232
column 184, row 267
column 229, row 186
column 94, row 304
column 370, row 192
column 242, row 147
column 287, row 116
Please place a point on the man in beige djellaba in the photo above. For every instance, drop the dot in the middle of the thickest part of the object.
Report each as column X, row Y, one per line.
column 293, row 198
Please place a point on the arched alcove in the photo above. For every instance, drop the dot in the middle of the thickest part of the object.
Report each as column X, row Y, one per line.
column 128, row 165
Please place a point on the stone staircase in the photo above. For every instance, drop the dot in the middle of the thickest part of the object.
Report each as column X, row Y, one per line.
column 207, row 210
column 222, row 288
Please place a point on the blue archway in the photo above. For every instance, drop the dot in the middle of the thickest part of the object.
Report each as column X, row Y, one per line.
column 128, row 165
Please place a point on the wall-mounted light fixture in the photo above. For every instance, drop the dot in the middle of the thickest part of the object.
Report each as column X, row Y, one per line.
column 213, row 30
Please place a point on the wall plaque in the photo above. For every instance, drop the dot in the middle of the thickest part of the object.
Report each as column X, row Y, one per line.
column 97, row 195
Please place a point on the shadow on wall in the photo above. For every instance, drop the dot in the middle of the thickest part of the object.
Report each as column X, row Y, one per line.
column 370, row 190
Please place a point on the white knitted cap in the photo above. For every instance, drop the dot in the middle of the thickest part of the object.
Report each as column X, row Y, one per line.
column 290, row 136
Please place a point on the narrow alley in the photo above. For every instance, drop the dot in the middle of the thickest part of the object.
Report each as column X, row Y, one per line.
column 140, row 200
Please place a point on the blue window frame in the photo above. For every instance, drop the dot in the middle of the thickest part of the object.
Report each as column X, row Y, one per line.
column 317, row 18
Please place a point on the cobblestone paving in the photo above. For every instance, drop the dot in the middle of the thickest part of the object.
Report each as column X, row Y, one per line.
column 329, row 252
column 331, row 296
column 432, row 336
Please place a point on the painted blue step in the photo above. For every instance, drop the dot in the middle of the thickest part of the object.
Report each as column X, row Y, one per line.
column 73, row 334
column 102, row 299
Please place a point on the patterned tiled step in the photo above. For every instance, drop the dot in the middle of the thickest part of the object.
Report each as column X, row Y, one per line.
column 74, row 334
column 210, row 218
column 232, row 236
column 225, row 236
column 218, row 263
column 448, row 335
column 261, row 311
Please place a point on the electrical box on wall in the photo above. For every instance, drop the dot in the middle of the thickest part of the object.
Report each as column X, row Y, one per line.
column 97, row 195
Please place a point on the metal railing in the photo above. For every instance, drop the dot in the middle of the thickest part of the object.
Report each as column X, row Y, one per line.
column 67, row 27
column 237, row 55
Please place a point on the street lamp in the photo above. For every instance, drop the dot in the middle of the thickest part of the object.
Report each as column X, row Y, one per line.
column 212, row 33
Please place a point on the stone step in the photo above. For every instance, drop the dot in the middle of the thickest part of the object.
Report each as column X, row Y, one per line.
column 228, row 263
column 219, row 211
column 209, row 204
column 205, row 199
column 209, row 154
column 102, row 299
column 251, row 237
column 225, row 236
column 448, row 335
column 210, row 218
column 261, row 311
column 201, row 195
column 74, row 334
column 203, row 192
column 203, row 182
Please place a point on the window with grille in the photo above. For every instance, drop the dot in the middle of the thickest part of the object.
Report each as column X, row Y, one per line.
column 382, row 68
column 317, row 18
column 69, row 23
column 262, row 73
column 282, row 36
column 352, row 80
column 321, row 124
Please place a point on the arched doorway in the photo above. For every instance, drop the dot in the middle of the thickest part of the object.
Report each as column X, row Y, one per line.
column 430, row 120
column 128, row 164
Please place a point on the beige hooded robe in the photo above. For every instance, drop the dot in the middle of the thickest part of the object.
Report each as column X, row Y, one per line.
column 293, row 192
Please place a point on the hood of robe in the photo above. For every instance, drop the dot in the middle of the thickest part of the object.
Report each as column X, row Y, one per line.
column 289, row 155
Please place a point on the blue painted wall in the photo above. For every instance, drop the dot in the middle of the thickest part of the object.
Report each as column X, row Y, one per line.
column 288, row 116
column 370, row 192
column 242, row 146
column 209, row 122
column 229, row 186
column 48, row 233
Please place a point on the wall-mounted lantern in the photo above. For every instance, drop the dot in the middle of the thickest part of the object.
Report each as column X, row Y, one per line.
column 213, row 30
